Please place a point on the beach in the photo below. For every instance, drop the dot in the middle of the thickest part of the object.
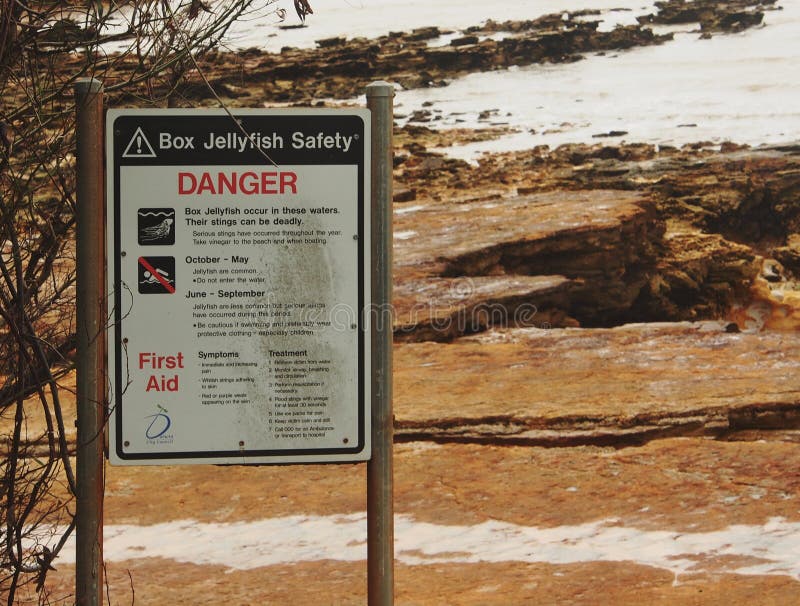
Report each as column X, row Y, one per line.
column 596, row 312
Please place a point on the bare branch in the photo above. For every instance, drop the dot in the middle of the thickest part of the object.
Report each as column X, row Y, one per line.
column 143, row 51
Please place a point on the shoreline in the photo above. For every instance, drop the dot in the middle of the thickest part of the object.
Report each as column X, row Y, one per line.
column 339, row 68
column 642, row 375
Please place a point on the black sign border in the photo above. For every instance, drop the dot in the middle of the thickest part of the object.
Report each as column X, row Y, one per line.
column 123, row 126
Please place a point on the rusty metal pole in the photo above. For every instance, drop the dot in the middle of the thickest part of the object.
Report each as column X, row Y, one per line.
column 91, row 319
column 380, row 468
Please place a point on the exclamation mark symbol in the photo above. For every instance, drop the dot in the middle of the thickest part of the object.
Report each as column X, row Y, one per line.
column 138, row 146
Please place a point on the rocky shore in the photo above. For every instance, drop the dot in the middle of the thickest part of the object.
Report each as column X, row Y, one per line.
column 641, row 234
column 592, row 334
column 340, row 67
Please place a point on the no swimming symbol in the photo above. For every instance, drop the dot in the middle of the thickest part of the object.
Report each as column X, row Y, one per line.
column 156, row 275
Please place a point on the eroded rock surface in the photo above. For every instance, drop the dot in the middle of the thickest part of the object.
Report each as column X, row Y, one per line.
column 570, row 386
column 441, row 309
column 713, row 233
column 601, row 239
column 712, row 15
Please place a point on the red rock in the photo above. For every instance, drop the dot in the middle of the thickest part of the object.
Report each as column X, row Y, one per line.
column 441, row 309
column 594, row 385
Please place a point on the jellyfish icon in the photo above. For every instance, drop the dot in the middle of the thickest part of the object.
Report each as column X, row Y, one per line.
column 157, row 232
column 156, row 226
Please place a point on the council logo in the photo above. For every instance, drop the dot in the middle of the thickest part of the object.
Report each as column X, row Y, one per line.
column 160, row 424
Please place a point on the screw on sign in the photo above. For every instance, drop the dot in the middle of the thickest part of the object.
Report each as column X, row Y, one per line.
column 156, row 275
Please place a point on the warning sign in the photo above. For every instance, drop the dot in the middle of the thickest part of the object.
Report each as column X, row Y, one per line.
column 139, row 146
column 239, row 268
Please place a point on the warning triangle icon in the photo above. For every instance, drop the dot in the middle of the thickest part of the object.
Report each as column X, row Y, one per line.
column 139, row 146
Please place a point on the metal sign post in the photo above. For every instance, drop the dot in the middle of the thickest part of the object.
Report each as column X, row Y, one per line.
column 91, row 384
column 250, row 273
column 380, row 468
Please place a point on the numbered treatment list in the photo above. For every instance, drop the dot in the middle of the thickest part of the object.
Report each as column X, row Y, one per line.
column 240, row 293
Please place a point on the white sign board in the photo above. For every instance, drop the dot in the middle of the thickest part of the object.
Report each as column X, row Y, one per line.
column 239, row 269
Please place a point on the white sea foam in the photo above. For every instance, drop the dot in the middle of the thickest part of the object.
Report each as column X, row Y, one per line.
column 772, row 548
column 373, row 18
column 734, row 87
column 402, row 210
